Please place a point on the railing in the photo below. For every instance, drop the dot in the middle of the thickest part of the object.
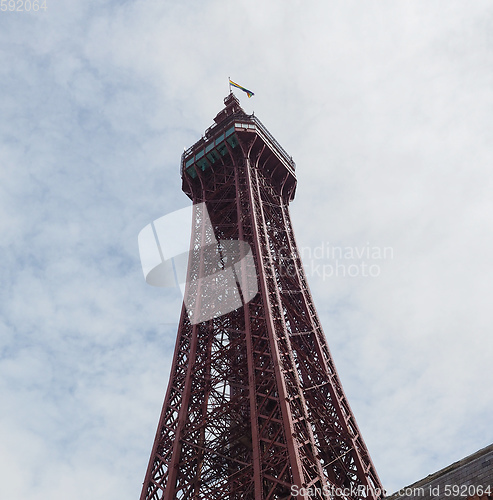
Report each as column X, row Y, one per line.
column 269, row 136
column 209, row 133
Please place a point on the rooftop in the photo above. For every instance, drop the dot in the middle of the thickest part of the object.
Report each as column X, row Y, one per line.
column 465, row 475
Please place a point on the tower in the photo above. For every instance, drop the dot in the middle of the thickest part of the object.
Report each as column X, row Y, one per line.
column 254, row 407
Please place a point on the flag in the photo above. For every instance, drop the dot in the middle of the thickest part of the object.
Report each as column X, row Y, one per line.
column 249, row 93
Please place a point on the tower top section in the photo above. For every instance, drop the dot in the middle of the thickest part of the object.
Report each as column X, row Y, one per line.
column 232, row 107
column 236, row 134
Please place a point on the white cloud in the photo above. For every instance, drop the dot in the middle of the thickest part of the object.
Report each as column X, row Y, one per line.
column 386, row 108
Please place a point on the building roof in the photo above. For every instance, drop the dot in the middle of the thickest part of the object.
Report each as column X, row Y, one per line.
column 468, row 477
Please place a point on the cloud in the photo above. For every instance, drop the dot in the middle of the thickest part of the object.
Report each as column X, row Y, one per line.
column 386, row 109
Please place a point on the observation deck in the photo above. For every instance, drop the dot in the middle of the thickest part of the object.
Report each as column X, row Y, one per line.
column 233, row 126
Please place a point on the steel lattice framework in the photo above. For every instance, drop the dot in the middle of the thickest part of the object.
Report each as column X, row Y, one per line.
column 254, row 407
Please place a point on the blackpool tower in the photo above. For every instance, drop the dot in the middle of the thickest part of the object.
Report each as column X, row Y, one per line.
column 254, row 407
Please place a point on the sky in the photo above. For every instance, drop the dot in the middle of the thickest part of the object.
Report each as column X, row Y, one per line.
column 385, row 106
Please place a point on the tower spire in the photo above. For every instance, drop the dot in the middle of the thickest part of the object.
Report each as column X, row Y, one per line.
column 231, row 107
